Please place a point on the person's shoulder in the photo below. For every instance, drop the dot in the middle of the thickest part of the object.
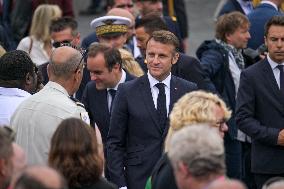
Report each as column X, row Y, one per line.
column 170, row 18
column 255, row 68
column 184, row 83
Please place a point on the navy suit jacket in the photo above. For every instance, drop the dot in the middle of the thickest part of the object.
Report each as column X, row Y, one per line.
column 258, row 17
column 230, row 6
column 260, row 114
column 96, row 104
column 135, row 140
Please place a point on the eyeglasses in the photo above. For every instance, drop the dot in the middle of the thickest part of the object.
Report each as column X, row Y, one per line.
column 124, row 6
column 221, row 124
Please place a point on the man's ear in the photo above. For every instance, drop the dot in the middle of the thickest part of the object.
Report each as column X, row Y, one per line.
column 183, row 169
column 29, row 78
column 175, row 58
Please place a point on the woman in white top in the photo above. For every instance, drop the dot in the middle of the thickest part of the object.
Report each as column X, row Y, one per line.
column 38, row 43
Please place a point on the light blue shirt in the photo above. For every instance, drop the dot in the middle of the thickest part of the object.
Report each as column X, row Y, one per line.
column 276, row 71
column 10, row 99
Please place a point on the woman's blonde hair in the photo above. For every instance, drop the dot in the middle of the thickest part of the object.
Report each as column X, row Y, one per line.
column 41, row 20
column 129, row 64
column 195, row 107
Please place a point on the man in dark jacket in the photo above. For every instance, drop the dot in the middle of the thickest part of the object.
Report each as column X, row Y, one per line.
column 223, row 62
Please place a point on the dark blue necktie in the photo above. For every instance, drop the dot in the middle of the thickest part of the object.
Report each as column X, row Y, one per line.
column 281, row 78
column 112, row 93
column 161, row 104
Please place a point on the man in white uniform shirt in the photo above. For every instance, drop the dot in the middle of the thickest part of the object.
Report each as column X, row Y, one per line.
column 38, row 117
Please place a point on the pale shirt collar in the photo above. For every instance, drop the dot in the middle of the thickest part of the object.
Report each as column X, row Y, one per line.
column 246, row 6
column 122, row 80
column 13, row 92
column 270, row 3
column 272, row 63
column 57, row 87
column 154, row 81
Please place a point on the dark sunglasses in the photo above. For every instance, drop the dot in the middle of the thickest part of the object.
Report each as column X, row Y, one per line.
column 59, row 43
column 124, row 6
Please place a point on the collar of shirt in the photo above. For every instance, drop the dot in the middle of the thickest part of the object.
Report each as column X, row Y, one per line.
column 154, row 81
column 122, row 80
column 13, row 92
column 246, row 6
column 270, row 3
column 57, row 87
column 272, row 63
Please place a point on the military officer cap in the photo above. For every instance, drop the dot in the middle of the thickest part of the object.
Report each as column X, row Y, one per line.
column 110, row 25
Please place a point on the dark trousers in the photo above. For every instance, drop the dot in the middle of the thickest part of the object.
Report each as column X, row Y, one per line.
column 260, row 179
column 246, row 175
column 233, row 157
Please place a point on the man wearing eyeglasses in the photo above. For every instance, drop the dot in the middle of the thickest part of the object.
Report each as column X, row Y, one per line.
column 63, row 31
column 36, row 119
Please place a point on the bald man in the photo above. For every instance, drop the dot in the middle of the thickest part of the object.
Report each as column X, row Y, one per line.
column 40, row 177
column 225, row 184
column 36, row 119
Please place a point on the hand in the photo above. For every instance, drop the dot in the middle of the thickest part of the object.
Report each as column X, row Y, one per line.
column 281, row 138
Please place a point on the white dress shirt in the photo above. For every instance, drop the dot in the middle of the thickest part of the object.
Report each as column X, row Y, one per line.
column 155, row 90
column 109, row 97
column 10, row 99
column 276, row 71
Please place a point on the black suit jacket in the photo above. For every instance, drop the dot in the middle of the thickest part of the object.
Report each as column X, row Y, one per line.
column 96, row 104
column 260, row 114
column 135, row 131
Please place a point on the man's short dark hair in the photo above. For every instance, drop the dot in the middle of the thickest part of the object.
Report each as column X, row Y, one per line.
column 229, row 23
column 14, row 67
column 151, row 22
column 274, row 21
column 165, row 37
column 63, row 23
column 111, row 55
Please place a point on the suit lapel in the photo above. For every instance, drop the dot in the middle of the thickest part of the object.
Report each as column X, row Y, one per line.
column 148, row 101
column 271, row 82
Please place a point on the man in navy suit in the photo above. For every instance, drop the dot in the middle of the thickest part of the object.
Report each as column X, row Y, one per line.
column 258, row 17
column 243, row 6
column 105, row 66
column 260, row 106
column 139, row 123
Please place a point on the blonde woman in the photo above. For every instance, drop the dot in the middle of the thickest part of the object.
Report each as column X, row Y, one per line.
column 38, row 43
column 129, row 64
column 192, row 108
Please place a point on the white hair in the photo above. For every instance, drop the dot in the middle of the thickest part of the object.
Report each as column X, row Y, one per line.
column 200, row 147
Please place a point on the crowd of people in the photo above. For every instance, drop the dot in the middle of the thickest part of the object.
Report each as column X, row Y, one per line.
column 127, row 108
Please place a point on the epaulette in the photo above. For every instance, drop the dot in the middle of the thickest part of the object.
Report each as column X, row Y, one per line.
column 77, row 102
column 174, row 18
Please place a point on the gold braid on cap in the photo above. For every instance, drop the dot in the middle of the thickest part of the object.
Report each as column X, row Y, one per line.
column 111, row 29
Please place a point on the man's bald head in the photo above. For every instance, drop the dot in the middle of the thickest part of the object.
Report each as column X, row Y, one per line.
column 123, row 13
column 225, row 184
column 63, row 62
column 40, row 177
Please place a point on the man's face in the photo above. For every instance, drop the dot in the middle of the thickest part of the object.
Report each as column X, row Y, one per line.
column 142, row 38
column 116, row 41
column 239, row 38
column 124, row 4
column 160, row 58
column 275, row 43
column 65, row 36
column 147, row 7
column 100, row 73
